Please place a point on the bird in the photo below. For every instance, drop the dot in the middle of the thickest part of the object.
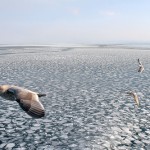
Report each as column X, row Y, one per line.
column 28, row 100
column 141, row 67
column 136, row 99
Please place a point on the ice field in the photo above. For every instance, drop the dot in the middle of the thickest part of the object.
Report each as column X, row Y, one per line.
column 87, row 107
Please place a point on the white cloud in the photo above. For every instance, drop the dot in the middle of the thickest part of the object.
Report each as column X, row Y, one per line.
column 74, row 11
column 108, row 13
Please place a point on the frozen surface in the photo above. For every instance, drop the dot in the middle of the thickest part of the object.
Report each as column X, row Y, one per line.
column 86, row 105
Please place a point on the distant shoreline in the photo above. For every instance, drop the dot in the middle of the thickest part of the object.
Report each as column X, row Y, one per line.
column 142, row 46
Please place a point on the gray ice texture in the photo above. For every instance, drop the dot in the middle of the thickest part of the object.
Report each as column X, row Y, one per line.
column 86, row 104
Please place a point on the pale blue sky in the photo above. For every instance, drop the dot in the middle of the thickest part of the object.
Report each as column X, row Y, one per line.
column 74, row 21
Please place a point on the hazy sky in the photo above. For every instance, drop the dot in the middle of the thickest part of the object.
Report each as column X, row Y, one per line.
column 73, row 21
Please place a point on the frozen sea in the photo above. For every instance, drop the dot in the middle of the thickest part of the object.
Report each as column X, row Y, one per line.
column 86, row 104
